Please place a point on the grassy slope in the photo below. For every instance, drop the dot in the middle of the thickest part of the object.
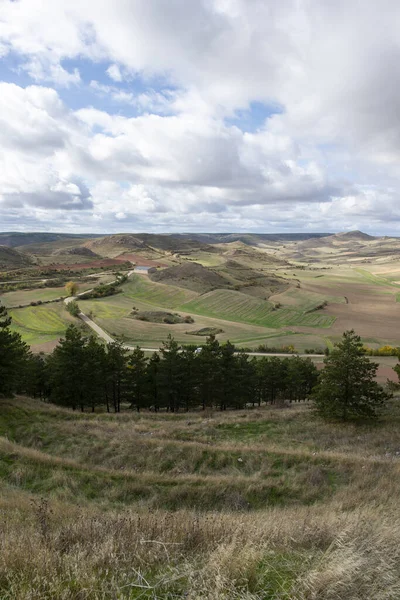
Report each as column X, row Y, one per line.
column 158, row 294
column 10, row 299
column 39, row 324
column 235, row 306
column 305, row 510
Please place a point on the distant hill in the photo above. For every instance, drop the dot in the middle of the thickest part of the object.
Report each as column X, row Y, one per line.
column 13, row 259
column 175, row 243
column 75, row 251
column 250, row 239
column 355, row 235
column 230, row 275
column 14, row 239
column 114, row 245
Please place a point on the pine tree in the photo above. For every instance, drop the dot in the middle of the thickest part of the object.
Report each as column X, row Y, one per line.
column 170, row 375
column 208, row 372
column 94, row 357
column 347, row 387
column 137, row 379
column 68, row 375
column 116, row 374
column 14, row 354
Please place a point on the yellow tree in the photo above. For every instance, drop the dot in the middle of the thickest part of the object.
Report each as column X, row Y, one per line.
column 71, row 288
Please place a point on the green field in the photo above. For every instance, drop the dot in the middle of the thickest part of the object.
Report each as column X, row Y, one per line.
column 113, row 315
column 304, row 300
column 40, row 324
column 235, row 306
column 14, row 299
column 167, row 296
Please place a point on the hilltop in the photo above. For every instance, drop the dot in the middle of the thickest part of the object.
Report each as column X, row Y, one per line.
column 17, row 239
column 75, row 251
column 355, row 235
column 191, row 276
column 114, row 245
column 13, row 259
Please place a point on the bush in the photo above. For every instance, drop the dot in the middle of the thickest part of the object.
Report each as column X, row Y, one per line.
column 73, row 308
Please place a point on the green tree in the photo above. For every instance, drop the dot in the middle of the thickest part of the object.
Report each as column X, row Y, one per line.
column 347, row 386
column 137, row 379
column 14, row 354
column 116, row 374
column 94, row 357
column 208, row 372
column 71, row 288
column 73, row 308
column 170, row 375
column 67, row 369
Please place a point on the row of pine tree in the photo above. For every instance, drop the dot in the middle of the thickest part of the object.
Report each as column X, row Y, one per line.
column 83, row 373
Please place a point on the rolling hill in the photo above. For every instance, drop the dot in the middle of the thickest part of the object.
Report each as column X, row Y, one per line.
column 191, row 276
column 13, row 259
column 16, row 239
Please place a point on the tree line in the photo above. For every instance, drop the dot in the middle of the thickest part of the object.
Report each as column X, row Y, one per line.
column 84, row 374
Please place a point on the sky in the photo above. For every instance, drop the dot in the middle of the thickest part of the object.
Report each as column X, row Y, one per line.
column 200, row 115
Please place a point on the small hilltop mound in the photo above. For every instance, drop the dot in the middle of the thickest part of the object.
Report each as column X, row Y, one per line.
column 191, row 276
column 355, row 235
column 114, row 245
column 76, row 251
column 13, row 259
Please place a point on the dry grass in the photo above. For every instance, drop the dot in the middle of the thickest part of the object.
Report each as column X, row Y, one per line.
column 159, row 507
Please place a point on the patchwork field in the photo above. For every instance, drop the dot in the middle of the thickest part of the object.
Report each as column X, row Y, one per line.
column 41, row 324
column 113, row 315
column 141, row 288
column 304, row 290
column 264, row 504
column 235, row 306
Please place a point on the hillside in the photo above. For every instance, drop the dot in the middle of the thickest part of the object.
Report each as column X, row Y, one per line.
column 250, row 239
column 174, row 243
column 191, row 276
column 114, row 245
column 75, row 251
column 355, row 235
column 13, row 259
column 16, row 239
column 149, row 243
column 243, row 505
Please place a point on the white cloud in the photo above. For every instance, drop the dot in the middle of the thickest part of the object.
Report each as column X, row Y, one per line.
column 332, row 68
column 114, row 73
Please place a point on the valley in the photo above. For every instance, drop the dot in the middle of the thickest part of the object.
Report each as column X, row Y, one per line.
column 253, row 289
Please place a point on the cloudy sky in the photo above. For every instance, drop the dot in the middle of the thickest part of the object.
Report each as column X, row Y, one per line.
column 200, row 115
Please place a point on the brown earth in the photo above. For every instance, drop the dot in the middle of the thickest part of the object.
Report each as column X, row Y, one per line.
column 140, row 261
column 369, row 311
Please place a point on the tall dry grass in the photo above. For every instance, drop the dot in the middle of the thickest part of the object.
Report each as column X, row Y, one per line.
column 51, row 551
column 82, row 497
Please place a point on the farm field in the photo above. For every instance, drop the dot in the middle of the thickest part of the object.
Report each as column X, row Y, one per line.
column 113, row 315
column 41, row 324
column 25, row 297
column 235, row 306
column 266, row 503
column 13, row 299
column 255, row 294
column 141, row 288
